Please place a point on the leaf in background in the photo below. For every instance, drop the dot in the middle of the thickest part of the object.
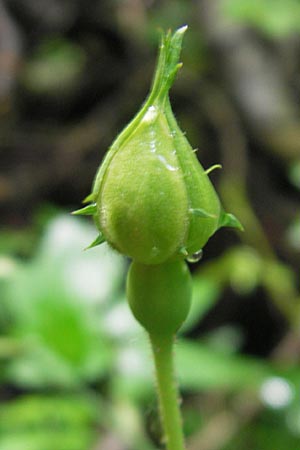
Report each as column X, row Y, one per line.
column 200, row 367
column 239, row 267
column 274, row 17
column 245, row 268
column 294, row 174
column 268, row 433
column 226, row 338
column 59, row 336
column 55, row 67
column 134, row 371
column 206, row 292
column 95, row 275
column 293, row 234
column 37, row 422
column 59, row 324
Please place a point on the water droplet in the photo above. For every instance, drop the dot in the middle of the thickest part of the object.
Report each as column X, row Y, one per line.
column 150, row 115
column 153, row 143
column 166, row 164
column 195, row 257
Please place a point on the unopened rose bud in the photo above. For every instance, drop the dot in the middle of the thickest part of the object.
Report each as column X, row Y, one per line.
column 152, row 199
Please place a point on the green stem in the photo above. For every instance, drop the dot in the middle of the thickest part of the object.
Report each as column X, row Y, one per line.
column 162, row 347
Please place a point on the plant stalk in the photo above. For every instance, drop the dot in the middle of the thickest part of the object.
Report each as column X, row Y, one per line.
column 167, row 389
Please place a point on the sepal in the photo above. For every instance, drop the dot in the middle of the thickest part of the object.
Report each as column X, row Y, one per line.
column 229, row 220
column 88, row 210
column 88, row 199
column 199, row 212
column 98, row 241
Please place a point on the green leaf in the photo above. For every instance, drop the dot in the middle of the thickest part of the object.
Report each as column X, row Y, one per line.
column 54, row 68
column 205, row 294
column 294, row 174
column 201, row 367
column 49, row 422
column 55, row 339
column 274, row 17
column 64, row 349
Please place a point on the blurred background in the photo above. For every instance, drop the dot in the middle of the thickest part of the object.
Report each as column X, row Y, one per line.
column 76, row 371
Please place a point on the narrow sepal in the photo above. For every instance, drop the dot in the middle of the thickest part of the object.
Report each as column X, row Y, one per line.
column 168, row 64
column 229, row 220
column 98, row 241
column 183, row 251
column 199, row 212
column 88, row 210
column 89, row 198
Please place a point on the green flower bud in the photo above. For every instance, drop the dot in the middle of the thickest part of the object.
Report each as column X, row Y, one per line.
column 152, row 200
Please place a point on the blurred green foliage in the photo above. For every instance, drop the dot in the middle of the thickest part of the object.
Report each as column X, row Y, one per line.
column 273, row 17
column 54, row 67
column 69, row 342
column 46, row 422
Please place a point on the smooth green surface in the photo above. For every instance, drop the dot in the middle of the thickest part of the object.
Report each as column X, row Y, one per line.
column 160, row 296
column 143, row 201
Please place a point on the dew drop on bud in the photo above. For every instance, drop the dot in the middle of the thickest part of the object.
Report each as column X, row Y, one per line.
column 195, row 257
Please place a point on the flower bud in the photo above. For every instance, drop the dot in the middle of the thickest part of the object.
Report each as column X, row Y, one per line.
column 152, row 199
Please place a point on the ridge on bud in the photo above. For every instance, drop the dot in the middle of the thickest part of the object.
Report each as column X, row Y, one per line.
column 151, row 199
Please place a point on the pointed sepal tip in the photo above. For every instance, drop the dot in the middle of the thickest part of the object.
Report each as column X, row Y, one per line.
column 88, row 210
column 98, row 241
column 229, row 220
